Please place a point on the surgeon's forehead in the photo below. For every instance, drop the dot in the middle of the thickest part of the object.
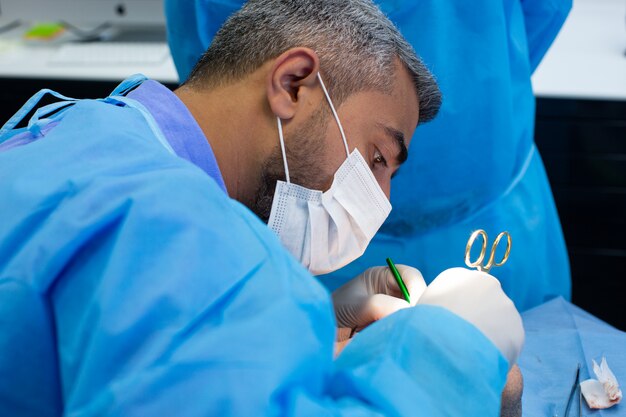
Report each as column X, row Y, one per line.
column 398, row 113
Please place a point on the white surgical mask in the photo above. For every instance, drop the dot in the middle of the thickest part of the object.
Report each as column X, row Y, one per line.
column 328, row 230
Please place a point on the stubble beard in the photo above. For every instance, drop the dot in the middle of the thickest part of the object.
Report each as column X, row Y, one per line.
column 305, row 158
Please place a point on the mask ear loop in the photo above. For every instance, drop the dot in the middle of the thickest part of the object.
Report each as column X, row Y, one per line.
column 282, row 147
column 330, row 102
column 282, row 138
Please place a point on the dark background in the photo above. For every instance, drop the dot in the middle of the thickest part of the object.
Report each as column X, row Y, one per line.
column 583, row 145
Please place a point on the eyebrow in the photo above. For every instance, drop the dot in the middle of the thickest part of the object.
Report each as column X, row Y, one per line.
column 398, row 136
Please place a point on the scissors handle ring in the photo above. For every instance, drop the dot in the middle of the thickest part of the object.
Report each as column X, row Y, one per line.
column 495, row 246
column 478, row 262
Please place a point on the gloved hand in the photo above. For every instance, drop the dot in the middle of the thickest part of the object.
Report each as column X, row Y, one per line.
column 478, row 298
column 373, row 295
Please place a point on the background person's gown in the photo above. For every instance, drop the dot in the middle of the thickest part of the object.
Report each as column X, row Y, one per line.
column 476, row 165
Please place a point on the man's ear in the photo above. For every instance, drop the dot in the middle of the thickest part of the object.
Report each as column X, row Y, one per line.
column 290, row 81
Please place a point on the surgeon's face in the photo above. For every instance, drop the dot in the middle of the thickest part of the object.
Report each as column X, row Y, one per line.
column 380, row 125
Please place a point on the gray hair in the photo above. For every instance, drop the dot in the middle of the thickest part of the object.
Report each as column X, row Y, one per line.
column 356, row 43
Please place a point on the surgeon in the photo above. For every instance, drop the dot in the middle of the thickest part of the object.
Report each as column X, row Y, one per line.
column 138, row 276
column 476, row 166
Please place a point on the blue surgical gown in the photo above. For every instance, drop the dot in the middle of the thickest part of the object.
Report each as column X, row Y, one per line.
column 131, row 285
column 475, row 166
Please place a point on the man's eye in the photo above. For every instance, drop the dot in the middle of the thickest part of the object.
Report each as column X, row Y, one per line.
column 379, row 159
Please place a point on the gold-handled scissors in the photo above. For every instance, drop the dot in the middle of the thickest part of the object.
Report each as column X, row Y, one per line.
column 478, row 263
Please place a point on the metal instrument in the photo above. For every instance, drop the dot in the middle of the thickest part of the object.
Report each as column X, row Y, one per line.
column 479, row 262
